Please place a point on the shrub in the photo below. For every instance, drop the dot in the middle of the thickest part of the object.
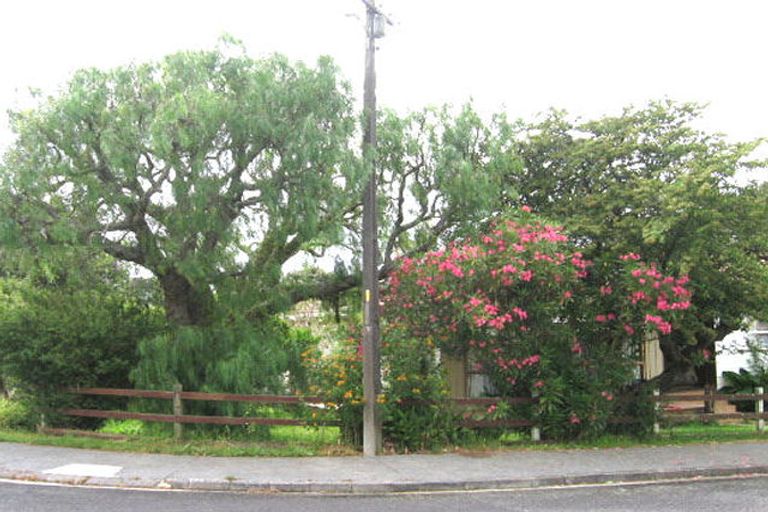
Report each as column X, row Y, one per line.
column 745, row 382
column 537, row 317
column 415, row 414
column 52, row 338
column 15, row 414
column 338, row 378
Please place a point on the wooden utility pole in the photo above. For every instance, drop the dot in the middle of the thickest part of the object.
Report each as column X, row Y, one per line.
column 371, row 335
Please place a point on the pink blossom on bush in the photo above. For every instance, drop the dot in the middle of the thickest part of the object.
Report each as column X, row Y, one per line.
column 662, row 325
column 493, row 310
column 521, row 313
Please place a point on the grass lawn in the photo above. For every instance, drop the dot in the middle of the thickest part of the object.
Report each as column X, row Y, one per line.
column 688, row 433
column 282, row 442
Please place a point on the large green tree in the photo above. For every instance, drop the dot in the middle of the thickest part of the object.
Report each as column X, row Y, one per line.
column 649, row 181
column 202, row 168
column 212, row 170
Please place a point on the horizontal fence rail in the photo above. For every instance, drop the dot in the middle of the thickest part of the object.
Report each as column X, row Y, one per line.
column 470, row 405
column 740, row 397
column 196, row 395
column 188, row 418
column 179, row 418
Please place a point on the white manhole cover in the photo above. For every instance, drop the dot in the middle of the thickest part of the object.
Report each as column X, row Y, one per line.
column 96, row 470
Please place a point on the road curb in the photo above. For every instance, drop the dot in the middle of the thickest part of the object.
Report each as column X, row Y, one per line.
column 365, row 488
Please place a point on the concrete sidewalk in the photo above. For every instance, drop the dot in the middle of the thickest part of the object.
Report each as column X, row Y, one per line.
column 393, row 473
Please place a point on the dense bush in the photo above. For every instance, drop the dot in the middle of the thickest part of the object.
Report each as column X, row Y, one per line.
column 745, row 382
column 413, row 392
column 16, row 414
column 230, row 356
column 53, row 337
column 538, row 318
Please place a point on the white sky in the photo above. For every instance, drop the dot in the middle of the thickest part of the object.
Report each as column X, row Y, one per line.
column 589, row 57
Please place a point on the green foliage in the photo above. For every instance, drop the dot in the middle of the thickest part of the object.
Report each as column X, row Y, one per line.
column 429, row 160
column 231, row 356
column 206, row 168
column 745, row 381
column 415, row 414
column 296, row 342
column 16, row 414
column 338, row 378
column 123, row 427
column 538, row 318
column 59, row 335
column 649, row 181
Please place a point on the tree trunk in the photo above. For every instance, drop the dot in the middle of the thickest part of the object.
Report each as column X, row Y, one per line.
column 4, row 393
column 678, row 368
column 679, row 358
column 185, row 304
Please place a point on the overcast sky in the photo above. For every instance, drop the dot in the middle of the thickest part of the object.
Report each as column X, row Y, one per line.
column 589, row 57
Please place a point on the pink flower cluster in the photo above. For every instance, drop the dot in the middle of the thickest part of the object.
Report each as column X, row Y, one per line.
column 506, row 364
column 516, row 286
column 662, row 325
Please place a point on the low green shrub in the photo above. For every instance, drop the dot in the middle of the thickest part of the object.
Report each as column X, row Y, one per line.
column 16, row 415
column 123, row 427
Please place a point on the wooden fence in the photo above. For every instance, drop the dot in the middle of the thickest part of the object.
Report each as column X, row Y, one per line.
column 178, row 418
column 708, row 398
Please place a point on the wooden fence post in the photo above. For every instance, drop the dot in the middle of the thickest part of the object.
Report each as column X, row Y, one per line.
column 178, row 410
column 657, row 409
column 709, row 402
column 759, row 409
column 535, row 430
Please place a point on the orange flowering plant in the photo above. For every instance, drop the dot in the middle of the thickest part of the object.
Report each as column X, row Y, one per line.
column 413, row 389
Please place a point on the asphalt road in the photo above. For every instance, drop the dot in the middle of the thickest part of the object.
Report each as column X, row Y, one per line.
column 742, row 494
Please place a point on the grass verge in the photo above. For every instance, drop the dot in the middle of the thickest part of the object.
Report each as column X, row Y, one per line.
column 304, row 443
column 324, row 441
column 681, row 434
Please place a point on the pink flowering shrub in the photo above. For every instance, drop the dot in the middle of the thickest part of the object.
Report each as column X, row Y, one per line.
column 537, row 316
